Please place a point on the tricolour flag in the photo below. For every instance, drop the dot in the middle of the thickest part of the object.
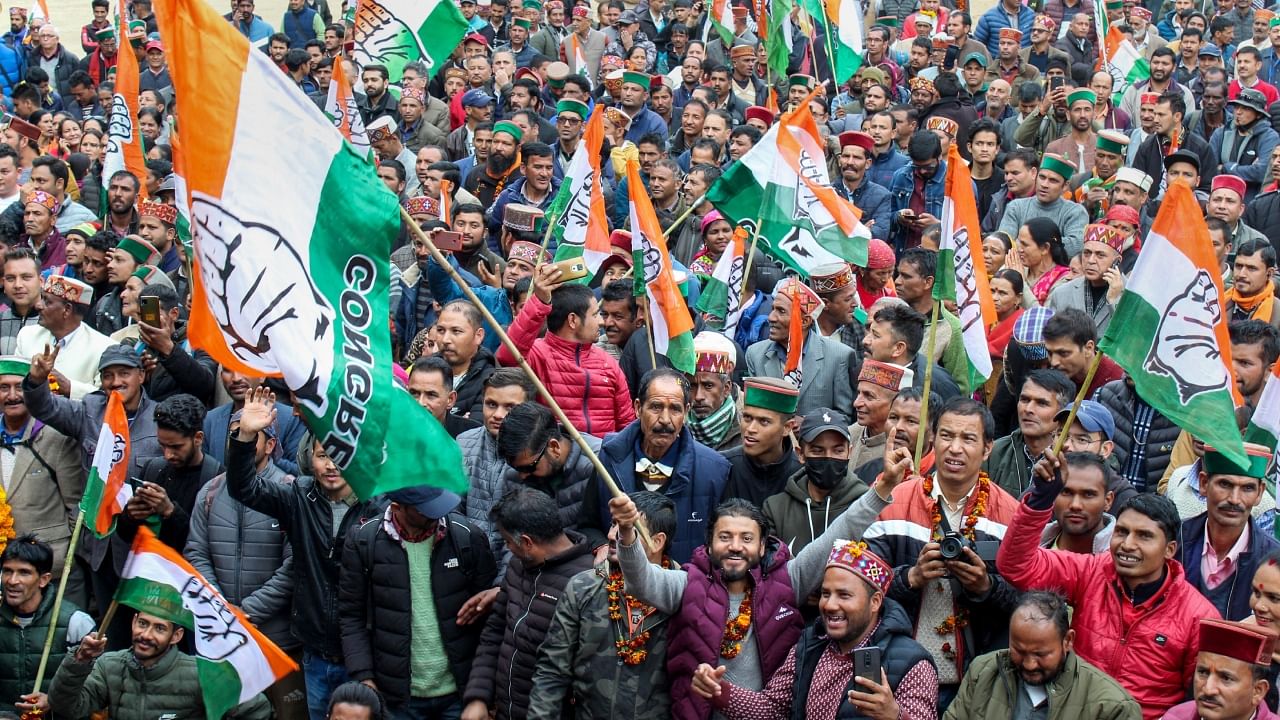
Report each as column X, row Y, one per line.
column 721, row 297
column 106, row 492
column 39, row 12
column 1169, row 332
column 1264, row 426
column 668, row 314
column 1125, row 63
column 783, row 183
column 577, row 213
column 778, row 42
column 124, row 139
column 340, row 106
column 181, row 198
column 234, row 661
column 291, row 279
column 394, row 33
column 961, row 277
column 840, row 24
column 721, row 18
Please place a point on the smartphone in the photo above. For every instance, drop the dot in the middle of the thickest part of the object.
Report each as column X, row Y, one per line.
column 949, row 63
column 149, row 310
column 1056, row 82
column 572, row 269
column 866, row 664
column 448, row 240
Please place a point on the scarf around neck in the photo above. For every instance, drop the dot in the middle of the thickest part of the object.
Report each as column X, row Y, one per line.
column 713, row 429
column 1258, row 305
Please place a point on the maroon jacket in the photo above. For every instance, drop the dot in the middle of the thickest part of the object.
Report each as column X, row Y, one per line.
column 696, row 631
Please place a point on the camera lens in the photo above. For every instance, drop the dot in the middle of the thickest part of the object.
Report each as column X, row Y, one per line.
column 951, row 547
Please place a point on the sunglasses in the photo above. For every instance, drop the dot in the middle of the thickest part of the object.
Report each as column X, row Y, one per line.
column 528, row 469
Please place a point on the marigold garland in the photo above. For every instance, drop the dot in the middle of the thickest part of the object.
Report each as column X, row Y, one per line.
column 6, row 521
column 735, row 630
column 968, row 529
column 631, row 648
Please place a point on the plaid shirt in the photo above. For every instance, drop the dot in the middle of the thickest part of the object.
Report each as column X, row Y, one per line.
column 10, row 324
column 1135, row 469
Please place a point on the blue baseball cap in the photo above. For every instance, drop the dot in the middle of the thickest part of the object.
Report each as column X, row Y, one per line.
column 1210, row 50
column 1092, row 416
column 476, row 98
column 432, row 502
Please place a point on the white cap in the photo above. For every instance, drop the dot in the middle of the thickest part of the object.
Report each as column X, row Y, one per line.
column 1135, row 177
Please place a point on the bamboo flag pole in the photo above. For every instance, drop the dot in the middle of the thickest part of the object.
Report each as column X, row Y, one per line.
column 684, row 215
column 57, row 600
column 928, row 380
column 1075, row 406
column 524, row 365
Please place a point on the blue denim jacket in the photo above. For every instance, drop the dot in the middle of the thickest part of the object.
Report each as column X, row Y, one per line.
column 901, row 187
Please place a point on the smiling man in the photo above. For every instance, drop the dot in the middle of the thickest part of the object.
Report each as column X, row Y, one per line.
column 1231, row 674
column 761, row 465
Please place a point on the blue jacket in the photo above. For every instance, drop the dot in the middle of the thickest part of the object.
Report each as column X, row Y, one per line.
column 994, row 20
column 258, row 31
column 1270, row 71
column 753, row 324
column 446, row 291
column 13, row 65
column 409, row 324
column 696, row 484
column 1166, row 27
column 884, row 166
column 1253, row 158
column 874, row 202
column 299, row 26
column 646, row 121
column 217, row 427
column 514, row 193
column 901, row 187
column 1191, row 550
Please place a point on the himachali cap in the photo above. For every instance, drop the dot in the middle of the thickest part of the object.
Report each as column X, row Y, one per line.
column 382, row 129
column 150, row 274
column 941, row 41
column 520, row 23
column 575, row 107
column 1258, row 455
column 617, row 117
column 1113, row 141
column 167, row 214
column 1028, row 331
column 801, row 80
column 637, row 78
column 504, row 126
column 920, row 83
column 526, row 252
column 43, row 199
column 1124, row 214
column 413, row 93
column 738, row 51
column 1134, row 177
column 1148, row 98
column 1082, row 94
column 880, row 255
column 831, row 277
column 422, row 205
column 1141, row 12
column 715, row 353
column 579, row 11
column 771, row 394
column 810, row 303
column 943, row 124
column 1058, row 164
column 887, row 375
column 763, row 114
column 1043, row 22
column 1264, row 15
column 1274, row 22
column 858, row 139
column 521, row 217
column 1115, row 4
column 657, row 82
column 739, row 12
column 853, row 555
column 889, row 21
column 14, row 365
column 1229, row 182
column 68, row 289
column 1011, row 33
column 820, row 420
column 1248, row 643
column 557, row 73
column 1105, row 234
column 105, row 33
column 140, row 250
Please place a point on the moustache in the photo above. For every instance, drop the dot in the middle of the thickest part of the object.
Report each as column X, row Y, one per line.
column 664, row 429
column 1230, row 506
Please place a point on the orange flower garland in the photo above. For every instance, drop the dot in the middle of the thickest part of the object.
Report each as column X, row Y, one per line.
column 958, row 621
column 735, row 630
column 631, row 648
column 6, row 521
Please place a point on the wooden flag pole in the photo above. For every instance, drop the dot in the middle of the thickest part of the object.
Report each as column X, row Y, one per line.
column 683, row 216
column 928, row 380
column 524, row 365
column 1075, row 406
column 108, row 617
column 57, row 600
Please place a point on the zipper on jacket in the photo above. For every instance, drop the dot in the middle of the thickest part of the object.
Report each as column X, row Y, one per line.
column 511, row 706
column 586, row 388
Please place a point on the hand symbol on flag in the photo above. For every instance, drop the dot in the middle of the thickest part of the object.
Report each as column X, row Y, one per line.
column 1187, row 326
column 387, row 40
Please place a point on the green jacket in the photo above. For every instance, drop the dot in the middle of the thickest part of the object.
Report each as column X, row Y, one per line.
column 115, row 682
column 1080, row 692
column 1007, row 464
column 20, row 648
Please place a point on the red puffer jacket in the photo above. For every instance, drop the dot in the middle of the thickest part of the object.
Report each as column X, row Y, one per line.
column 586, row 382
column 1149, row 649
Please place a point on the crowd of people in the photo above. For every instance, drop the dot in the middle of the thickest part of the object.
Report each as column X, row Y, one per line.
column 879, row 535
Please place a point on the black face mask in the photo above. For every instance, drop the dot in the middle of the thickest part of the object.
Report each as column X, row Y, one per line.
column 825, row 473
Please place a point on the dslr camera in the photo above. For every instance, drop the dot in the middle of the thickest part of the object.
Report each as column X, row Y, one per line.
column 952, row 546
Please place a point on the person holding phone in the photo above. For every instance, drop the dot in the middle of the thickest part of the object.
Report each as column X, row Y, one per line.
column 1099, row 288
column 891, row 676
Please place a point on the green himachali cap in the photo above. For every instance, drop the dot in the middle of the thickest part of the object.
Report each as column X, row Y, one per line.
column 509, row 128
column 573, row 106
column 771, row 394
column 1215, row 463
column 1082, row 94
column 14, row 365
column 637, row 78
column 1059, row 165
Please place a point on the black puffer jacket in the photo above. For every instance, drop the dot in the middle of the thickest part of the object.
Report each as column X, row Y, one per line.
column 502, row 675
column 470, row 388
column 307, row 519
column 1118, row 397
column 1263, row 215
column 375, row 609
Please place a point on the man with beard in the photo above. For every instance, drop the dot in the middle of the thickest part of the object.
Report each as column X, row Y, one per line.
column 571, row 117
column 431, row 385
column 1169, row 137
column 713, row 414
column 1141, row 571
column 825, row 363
column 896, row 335
column 1160, row 83
column 735, row 607
column 1043, row 394
column 761, row 465
column 39, row 233
column 1252, row 294
column 1222, row 547
column 1071, row 341
column 583, row 656
column 1233, row 671
column 856, row 151
column 1079, row 144
column 535, row 188
column 1049, row 121
column 461, row 335
column 1080, row 520
column 218, row 422
column 62, row 306
column 152, row 676
column 504, row 390
column 917, row 189
column 1021, row 167
column 885, row 157
column 817, row 681
column 1039, row 663
column 542, row 455
column 502, row 167
column 1008, row 64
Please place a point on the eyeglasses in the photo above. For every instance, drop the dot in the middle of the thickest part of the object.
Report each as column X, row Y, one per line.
column 528, row 469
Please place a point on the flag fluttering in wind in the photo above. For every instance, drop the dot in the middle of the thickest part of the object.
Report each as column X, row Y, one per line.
column 394, row 33
column 962, row 273
column 106, row 492
column 722, row 295
column 181, row 197
column 1264, row 426
column 124, row 138
column 340, row 106
column 234, row 661
column 1125, row 63
column 668, row 314
column 577, row 213
column 1169, row 332
column 291, row 279
column 721, row 19
column 778, row 43
column 840, row 23
column 783, row 183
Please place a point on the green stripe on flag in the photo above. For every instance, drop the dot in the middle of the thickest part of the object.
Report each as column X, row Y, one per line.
column 944, row 280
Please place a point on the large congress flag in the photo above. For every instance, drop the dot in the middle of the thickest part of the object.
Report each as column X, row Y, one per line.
column 292, row 234
column 1169, row 332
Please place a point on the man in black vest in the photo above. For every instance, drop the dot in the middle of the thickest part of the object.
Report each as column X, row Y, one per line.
column 816, row 684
